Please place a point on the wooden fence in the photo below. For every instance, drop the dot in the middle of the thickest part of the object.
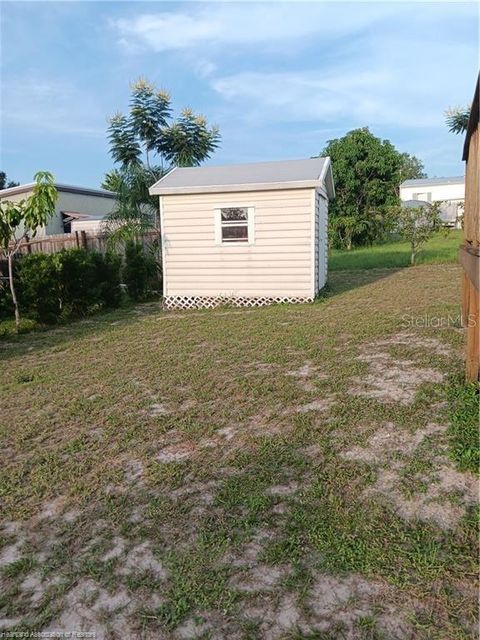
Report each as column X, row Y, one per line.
column 75, row 240
column 470, row 249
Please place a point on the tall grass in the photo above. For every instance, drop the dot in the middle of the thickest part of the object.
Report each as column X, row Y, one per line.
column 393, row 255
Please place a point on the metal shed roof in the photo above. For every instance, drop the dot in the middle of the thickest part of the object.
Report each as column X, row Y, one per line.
column 282, row 174
column 430, row 182
column 65, row 188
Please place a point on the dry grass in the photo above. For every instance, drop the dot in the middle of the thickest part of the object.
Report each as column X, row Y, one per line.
column 241, row 474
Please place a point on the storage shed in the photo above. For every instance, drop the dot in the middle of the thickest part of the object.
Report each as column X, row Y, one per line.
column 247, row 234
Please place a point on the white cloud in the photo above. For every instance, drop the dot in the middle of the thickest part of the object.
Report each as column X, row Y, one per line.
column 230, row 25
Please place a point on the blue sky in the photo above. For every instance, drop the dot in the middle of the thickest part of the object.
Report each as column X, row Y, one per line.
column 280, row 79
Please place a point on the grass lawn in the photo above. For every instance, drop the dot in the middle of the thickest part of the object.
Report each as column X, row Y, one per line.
column 277, row 473
column 439, row 249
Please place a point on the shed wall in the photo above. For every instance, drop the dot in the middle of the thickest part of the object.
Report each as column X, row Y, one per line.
column 279, row 263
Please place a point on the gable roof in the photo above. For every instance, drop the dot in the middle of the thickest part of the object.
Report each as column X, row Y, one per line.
column 257, row 176
column 65, row 188
column 430, row 182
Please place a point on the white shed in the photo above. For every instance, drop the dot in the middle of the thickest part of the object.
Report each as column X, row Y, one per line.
column 247, row 234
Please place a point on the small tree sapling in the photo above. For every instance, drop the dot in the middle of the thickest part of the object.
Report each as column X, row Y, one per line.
column 22, row 219
column 417, row 223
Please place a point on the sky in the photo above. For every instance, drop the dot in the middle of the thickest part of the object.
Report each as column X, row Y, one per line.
column 280, row 79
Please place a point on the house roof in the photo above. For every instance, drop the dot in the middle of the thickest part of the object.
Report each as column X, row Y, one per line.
column 66, row 188
column 258, row 176
column 430, row 182
column 472, row 121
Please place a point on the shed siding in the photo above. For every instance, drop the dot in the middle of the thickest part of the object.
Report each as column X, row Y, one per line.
column 279, row 263
column 321, row 241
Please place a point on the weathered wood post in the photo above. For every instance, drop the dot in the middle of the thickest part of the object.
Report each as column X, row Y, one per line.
column 470, row 249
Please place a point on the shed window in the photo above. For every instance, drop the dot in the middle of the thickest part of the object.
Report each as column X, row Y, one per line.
column 234, row 225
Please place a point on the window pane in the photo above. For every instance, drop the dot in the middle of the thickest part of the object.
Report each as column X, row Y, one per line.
column 235, row 234
column 234, row 214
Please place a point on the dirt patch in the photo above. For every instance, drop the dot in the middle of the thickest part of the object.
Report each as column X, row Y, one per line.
column 262, row 577
column 283, row 490
column 158, row 409
column 118, row 547
column 176, row 452
column 90, row 608
column 321, row 404
column 446, row 492
column 141, row 558
column 304, row 375
column 134, row 472
column 390, row 379
column 389, row 440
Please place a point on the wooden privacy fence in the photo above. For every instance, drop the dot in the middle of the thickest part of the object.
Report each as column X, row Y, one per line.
column 470, row 249
column 75, row 240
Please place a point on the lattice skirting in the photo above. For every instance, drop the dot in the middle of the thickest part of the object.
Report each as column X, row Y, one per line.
column 201, row 302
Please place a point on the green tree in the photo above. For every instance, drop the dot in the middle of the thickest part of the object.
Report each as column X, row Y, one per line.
column 417, row 224
column 23, row 218
column 6, row 184
column 145, row 144
column 367, row 172
column 457, row 119
column 411, row 167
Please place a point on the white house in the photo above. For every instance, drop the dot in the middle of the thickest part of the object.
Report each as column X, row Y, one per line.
column 76, row 208
column 247, row 234
column 449, row 191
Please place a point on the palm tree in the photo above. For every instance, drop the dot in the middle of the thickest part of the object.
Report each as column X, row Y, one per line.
column 457, row 119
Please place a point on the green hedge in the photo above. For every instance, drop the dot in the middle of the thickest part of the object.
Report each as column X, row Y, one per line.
column 68, row 284
column 76, row 282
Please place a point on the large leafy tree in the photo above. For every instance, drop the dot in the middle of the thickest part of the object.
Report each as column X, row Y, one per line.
column 367, row 173
column 6, row 184
column 21, row 219
column 145, row 144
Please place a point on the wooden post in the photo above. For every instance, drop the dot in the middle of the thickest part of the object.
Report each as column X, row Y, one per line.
column 84, row 239
column 470, row 250
column 77, row 239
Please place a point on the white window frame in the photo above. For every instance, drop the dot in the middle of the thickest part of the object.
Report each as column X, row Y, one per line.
column 250, row 225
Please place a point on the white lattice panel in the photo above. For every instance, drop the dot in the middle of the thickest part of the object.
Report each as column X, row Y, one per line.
column 200, row 302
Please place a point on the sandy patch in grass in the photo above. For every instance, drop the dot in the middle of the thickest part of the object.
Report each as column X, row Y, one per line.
column 447, row 493
column 283, row 489
column 176, row 452
column 334, row 606
column 118, row 547
column 158, row 409
column 262, row 577
column 87, row 607
column 391, row 379
column 141, row 558
column 304, row 374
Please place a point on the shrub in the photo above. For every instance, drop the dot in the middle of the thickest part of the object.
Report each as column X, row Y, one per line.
column 8, row 328
column 141, row 271
column 71, row 283
column 39, row 286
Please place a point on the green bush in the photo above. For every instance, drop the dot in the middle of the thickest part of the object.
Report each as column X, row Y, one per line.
column 68, row 284
column 6, row 306
column 8, row 329
column 38, row 286
column 463, row 429
column 140, row 273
